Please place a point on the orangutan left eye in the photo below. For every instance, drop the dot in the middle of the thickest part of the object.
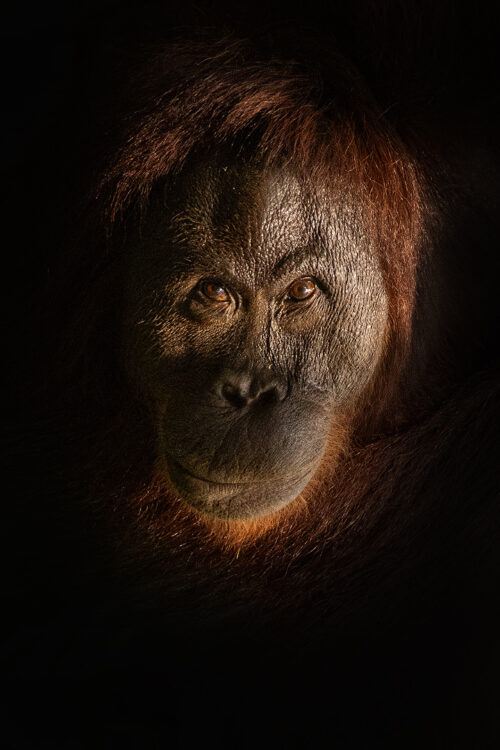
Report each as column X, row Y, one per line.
column 301, row 289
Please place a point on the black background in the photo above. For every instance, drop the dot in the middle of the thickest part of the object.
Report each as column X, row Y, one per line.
column 435, row 67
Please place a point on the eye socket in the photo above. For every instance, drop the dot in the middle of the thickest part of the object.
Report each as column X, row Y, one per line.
column 214, row 291
column 301, row 289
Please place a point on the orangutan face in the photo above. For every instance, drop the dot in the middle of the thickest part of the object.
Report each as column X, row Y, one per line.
column 256, row 314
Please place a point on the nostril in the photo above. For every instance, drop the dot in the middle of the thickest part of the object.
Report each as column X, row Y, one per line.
column 269, row 394
column 264, row 391
column 235, row 395
column 270, row 390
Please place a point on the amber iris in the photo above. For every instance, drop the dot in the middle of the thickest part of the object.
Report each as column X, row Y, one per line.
column 214, row 291
column 301, row 289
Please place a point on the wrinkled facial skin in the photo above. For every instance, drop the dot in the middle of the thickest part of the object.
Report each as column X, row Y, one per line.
column 244, row 370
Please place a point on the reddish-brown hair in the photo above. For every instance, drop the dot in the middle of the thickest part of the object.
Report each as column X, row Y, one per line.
column 192, row 96
column 282, row 109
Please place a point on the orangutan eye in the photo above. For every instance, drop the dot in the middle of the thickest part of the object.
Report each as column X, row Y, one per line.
column 214, row 291
column 301, row 289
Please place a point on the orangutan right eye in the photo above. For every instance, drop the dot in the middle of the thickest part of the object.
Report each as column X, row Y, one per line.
column 214, row 291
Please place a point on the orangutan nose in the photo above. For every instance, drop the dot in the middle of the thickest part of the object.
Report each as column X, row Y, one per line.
column 239, row 389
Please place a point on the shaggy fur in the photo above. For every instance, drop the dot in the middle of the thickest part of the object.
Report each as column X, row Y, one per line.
column 187, row 98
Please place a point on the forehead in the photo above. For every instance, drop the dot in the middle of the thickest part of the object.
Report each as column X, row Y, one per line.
column 251, row 218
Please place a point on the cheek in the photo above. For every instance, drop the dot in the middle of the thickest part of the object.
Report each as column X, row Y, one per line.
column 340, row 355
column 358, row 346
column 338, row 358
column 157, row 347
